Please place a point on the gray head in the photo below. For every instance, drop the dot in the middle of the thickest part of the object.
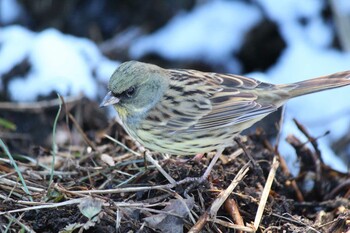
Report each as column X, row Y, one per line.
column 135, row 87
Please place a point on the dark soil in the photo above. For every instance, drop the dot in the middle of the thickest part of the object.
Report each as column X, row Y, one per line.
column 317, row 200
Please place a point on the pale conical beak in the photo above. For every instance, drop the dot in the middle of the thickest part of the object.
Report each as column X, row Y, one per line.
column 109, row 100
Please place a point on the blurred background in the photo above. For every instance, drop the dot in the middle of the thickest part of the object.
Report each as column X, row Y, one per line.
column 71, row 47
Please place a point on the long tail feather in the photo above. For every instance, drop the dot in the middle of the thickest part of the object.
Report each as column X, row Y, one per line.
column 317, row 84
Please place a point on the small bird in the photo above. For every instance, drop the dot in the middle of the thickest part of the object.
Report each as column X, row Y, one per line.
column 187, row 112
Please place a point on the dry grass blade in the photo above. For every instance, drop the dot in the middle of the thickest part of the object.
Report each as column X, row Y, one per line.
column 221, row 198
column 265, row 193
column 160, row 169
column 148, row 157
column 122, row 145
column 44, row 206
column 124, row 190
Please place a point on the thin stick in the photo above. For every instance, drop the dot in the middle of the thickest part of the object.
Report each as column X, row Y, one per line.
column 159, row 168
column 9, row 182
column 215, row 206
column 124, row 190
column 232, row 226
column 285, row 169
column 148, row 157
column 212, row 163
column 86, row 139
column 37, row 106
column 44, row 206
column 310, row 138
column 232, row 208
column 78, row 201
column 265, row 193
column 122, row 145
column 240, row 144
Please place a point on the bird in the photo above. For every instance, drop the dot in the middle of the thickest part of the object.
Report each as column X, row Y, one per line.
column 189, row 112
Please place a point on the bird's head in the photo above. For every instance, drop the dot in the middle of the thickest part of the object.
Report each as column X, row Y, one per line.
column 135, row 87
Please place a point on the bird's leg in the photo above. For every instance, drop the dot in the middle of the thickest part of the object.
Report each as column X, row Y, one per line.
column 147, row 156
column 250, row 157
column 159, row 168
column 199, row 180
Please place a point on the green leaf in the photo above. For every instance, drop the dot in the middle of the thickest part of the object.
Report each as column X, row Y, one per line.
column 7, row 124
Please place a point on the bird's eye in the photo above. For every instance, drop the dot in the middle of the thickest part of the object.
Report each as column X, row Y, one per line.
column 130, row 92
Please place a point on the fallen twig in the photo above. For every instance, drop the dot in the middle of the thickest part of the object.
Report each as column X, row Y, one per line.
column 265, row 193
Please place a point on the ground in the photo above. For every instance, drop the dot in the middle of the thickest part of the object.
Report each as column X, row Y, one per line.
column 102, row 186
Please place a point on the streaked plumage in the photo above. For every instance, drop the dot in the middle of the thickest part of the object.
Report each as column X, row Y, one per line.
column 188, row 112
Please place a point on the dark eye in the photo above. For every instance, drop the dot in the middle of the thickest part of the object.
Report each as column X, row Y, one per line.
column 130, row 92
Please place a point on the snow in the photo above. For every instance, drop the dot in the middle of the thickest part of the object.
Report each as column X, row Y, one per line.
column 56, row 66
column 58, row 63
column 15, row 45
column 211, row 32
column 288, row 10
column 105, row 69
column 15, row 42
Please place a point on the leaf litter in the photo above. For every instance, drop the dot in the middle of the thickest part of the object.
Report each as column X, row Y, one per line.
column 100, row 185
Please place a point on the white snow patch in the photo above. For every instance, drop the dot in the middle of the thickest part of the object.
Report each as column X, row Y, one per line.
column 287, row 14
column 15, row 43
column 210, row 32
column 105, row 69
column 291, row 10
column 57, row 65
column 58, row 62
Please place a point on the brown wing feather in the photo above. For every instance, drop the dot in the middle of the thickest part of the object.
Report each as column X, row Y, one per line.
column 207, row 101
column 236, row 103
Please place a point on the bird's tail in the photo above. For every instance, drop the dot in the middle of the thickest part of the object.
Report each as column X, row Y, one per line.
column 317, row 84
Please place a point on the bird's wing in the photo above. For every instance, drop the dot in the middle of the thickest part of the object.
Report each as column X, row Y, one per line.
column 237, row 102
column 198, row 101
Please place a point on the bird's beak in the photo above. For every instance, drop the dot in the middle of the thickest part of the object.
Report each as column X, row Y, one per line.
column 109, row 100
